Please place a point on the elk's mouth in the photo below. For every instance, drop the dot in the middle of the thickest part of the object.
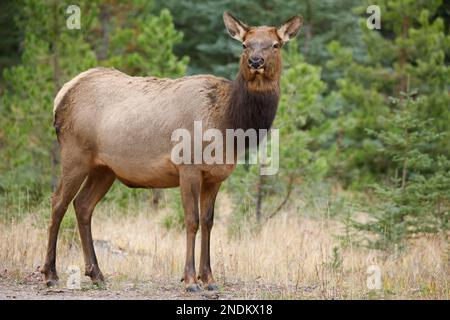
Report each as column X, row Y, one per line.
column 256, row 71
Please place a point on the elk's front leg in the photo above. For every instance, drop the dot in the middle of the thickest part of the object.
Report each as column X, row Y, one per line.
column 207, row 200
column 190, row 186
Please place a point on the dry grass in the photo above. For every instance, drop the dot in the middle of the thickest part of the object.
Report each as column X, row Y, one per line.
column 291, row 257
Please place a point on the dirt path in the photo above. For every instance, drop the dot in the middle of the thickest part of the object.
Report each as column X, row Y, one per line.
column 37, row 291
column 31, row 287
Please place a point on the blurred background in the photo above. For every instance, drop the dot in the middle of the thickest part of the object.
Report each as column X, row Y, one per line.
column 364, row 116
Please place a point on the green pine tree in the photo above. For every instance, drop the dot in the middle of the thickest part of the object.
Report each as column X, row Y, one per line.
column 140, row 44
column 413, row 44
column 52, row 54
column 212, row 51
column 416, row 200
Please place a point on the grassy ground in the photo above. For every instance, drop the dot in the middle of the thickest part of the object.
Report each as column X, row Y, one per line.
column 292, row 257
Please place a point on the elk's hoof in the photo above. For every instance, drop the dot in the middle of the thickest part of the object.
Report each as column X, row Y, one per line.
column 193, row 287
column 97, row 278
column 51, row 282
column 50, row 276
column 212, row 287
column 99, row 282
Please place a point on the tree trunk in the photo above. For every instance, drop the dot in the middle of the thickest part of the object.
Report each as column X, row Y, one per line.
column 404, row 83
column 54, row 152
column 105, row 16
column 403, row 57
column 156, row 197
column 404, row 174
column 308, row 29
column 259, row 195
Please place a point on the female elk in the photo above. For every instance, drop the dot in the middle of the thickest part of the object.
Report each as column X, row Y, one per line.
column 114, row 126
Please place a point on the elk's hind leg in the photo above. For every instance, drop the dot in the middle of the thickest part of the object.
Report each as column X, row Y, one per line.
column 97, row 184
column 71, row 179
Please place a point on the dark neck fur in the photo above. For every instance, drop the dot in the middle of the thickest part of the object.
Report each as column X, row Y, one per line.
column 252, row 109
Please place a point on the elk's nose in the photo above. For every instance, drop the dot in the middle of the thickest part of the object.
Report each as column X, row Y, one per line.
column 255, row 62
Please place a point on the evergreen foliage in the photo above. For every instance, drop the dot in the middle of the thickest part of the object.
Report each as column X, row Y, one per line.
column 346, row 115
column 416, row 200
column 53, row 54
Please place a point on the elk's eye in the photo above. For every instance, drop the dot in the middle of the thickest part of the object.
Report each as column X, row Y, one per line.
column 244, row 46
column 276, row 45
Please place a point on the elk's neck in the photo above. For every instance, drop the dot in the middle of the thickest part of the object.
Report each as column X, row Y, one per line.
column 253, row 105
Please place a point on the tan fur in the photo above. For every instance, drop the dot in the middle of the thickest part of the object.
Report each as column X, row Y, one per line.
column 66, row 87
column 111, row 125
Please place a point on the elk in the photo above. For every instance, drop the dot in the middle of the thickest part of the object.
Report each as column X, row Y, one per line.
column 114, row 126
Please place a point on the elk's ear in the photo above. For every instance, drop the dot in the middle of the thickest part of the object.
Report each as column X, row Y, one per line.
column 290, row 28
column 237, row 29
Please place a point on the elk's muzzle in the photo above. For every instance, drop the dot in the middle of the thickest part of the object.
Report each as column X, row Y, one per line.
column 255, row 62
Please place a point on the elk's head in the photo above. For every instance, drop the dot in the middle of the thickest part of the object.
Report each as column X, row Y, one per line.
column 261, row 56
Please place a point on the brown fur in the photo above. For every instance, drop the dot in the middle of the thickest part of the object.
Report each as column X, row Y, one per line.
column 114, row 126
column 260, row 40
